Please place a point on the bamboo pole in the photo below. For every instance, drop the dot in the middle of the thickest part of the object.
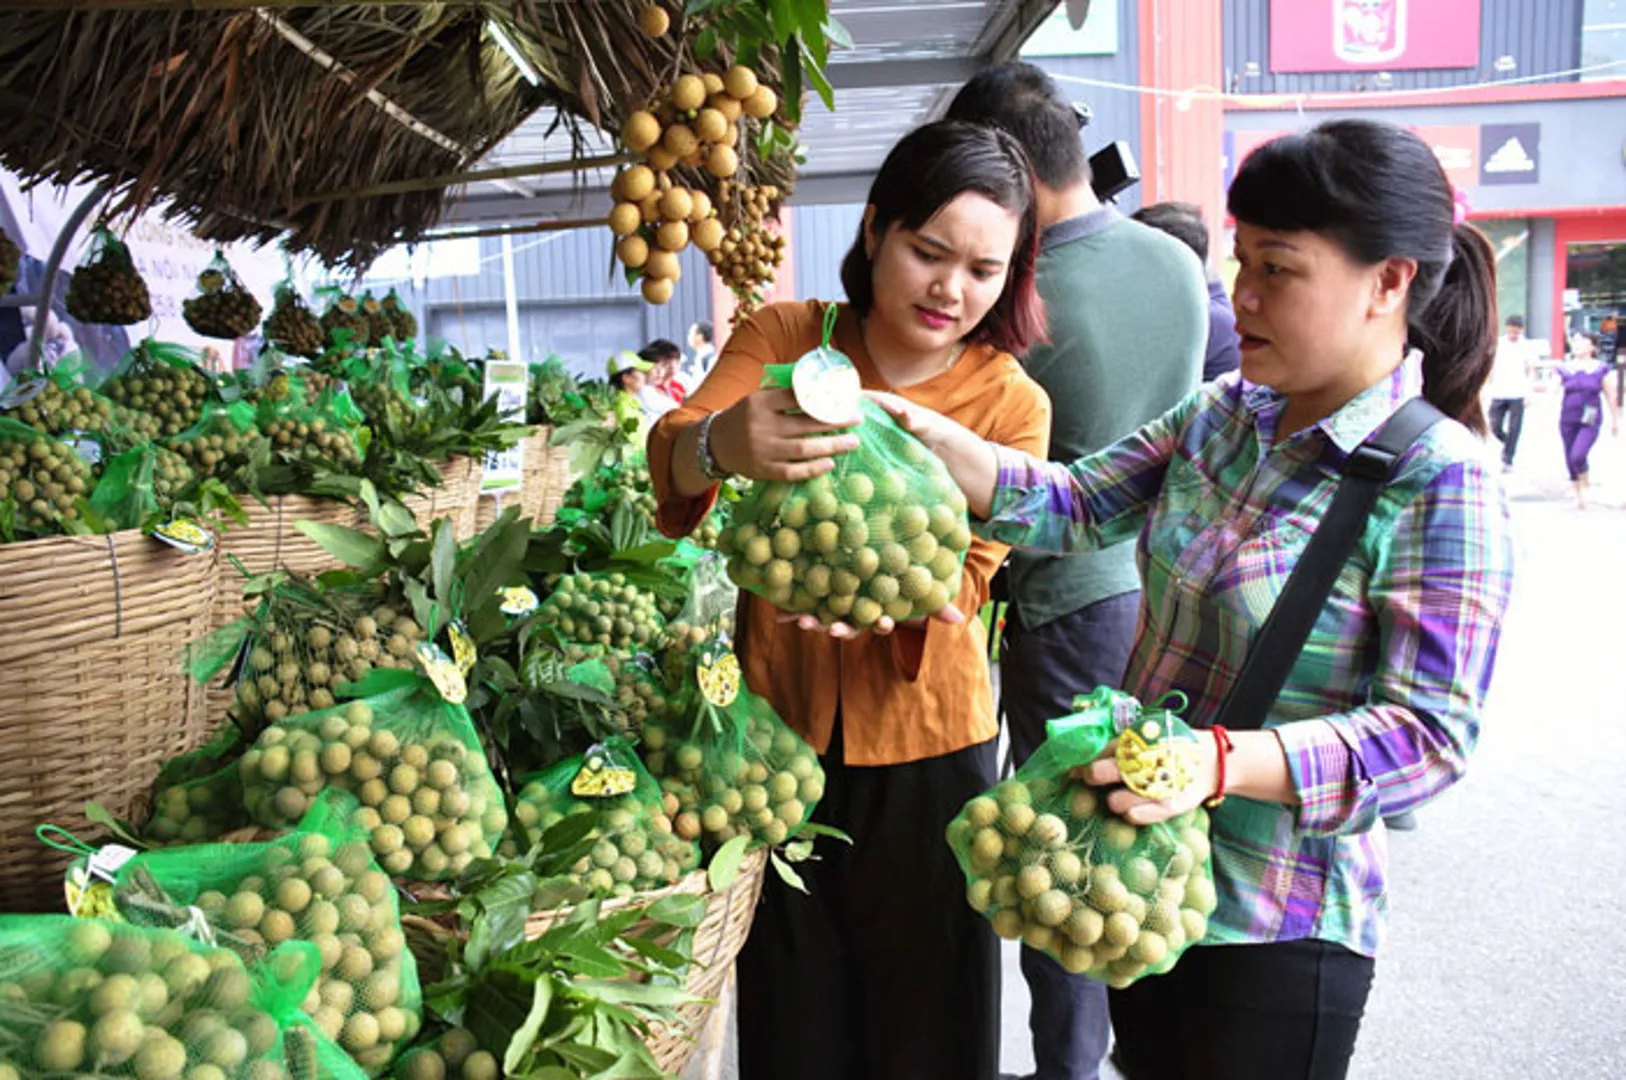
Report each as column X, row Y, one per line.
column 429, row 183
column 512, row 230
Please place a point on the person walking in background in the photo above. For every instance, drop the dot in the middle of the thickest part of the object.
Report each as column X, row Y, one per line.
column 1184, row 221
column 1508, row 387
column 1580, row 418
column 664, row 357
column 702, row 355
column 627, row 371
column 1127, row 320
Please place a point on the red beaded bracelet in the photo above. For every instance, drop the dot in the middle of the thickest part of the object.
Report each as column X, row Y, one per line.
column 1222, row 749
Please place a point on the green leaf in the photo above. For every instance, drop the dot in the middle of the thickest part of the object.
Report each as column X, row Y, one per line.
column 837, row 34
column 588, row 960
column 799, row 850
column 813, row 828
column 705, row 44
column 97, row 814
column 525, row 1038
column 395, row 520
column 622, row 993
column 787, row 873
column 683, row 909
column 654, row 950
column 725, row 865
column 350, row 546
column 785, row 20
column 790, row 71
column 443, row 560
column 816, row 76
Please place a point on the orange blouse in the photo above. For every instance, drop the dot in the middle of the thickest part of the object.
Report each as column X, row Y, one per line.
column 921, row 692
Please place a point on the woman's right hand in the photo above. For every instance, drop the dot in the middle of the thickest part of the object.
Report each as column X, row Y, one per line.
column 758, row 438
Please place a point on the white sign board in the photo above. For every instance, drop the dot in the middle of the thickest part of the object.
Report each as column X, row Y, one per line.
column 509, row 380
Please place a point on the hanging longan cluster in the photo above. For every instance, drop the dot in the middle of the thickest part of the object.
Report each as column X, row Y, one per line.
column 750, row 252
column 403, row 324
column 107, row 289
column 291, row 327
column 11, row 257
column 346, row 314
column 315, row 441
column 175, row 395
column 45, row 478
column 379, row 324
column 223, row 308
column 298, row 662
column 696, row 124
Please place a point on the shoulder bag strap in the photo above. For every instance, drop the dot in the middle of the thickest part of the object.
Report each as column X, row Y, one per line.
column 1276, row 649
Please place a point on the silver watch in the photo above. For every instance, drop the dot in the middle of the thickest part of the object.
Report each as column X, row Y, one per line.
column 708, row 463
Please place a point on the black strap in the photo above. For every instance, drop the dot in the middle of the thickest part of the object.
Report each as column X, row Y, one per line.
column 1282, row 638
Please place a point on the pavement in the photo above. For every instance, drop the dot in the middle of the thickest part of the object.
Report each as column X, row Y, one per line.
column 1506, row 954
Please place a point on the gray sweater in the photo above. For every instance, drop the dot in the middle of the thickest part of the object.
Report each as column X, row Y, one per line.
column 1128, row 322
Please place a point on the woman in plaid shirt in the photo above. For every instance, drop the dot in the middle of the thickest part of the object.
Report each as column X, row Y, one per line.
column 1357, row 288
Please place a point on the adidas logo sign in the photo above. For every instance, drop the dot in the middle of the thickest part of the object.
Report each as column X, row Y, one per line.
column 1510, row 157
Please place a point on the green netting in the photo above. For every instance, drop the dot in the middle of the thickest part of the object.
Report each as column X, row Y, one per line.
column 162, row 380
column 636, row 849
column 1049, row 864
column 343, row 324
column 324, row 431
column 884, row 533
column 84, row 998
column 41, row 480
column 429, row 801
column 223, row 307
column 319, row 884
column 138, row 487
column 403, row 324
column 291, row 325
column 603, row 609
column 199, row 796
column 64, row 400
column 709, row 606
column 223, row 440
column 735, row 769
column 106, row 288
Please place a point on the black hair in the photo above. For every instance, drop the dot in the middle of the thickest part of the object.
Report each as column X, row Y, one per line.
column 1516, row 320
column 1181, row 220
column 1026, row 102
column 704, row 330
column 925, row 171
column 658, row 350
column 1378, row 191
column 618, row 380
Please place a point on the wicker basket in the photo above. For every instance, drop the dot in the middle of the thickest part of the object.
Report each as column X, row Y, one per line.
column 556, row 480
column 539, row 490
column 717, row 941
column 96, row 695
column 457, row 497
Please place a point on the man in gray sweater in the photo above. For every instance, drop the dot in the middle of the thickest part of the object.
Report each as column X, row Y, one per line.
column 1128, row 319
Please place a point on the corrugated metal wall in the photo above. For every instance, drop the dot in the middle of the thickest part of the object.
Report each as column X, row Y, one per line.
column 1541, row 35
column 822, row 236
column 1116, row 112
column 570, row 301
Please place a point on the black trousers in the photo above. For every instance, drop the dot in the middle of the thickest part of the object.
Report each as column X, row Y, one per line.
column 1506, row 421
column 883, row 972
column 1041, row 670
column 1284, row 1011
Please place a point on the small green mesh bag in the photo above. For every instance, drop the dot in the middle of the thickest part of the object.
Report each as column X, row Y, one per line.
column 428, row 800
column 1048, row 864
column 42, row 481
column 223, row 440
column 318, row 884
column 603, row 609
column 884, row 533
column 735, row 768
column 636, row 849
column 324, row 431
column 199, row 796
column 107, row 288
column 454, row 1055
column 64, row 400
column 162, row 380
column 83, row 998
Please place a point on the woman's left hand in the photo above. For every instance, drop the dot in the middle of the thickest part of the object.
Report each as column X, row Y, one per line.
column 885, row 625
column 1103, row 772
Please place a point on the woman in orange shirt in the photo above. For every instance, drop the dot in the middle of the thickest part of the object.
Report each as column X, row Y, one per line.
column 883, row 971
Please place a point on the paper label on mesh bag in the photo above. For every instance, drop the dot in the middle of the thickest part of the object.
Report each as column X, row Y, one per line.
column 600, row 777
column 518, row 600
column 719, row 677
column 443, row 672
column 185, row 535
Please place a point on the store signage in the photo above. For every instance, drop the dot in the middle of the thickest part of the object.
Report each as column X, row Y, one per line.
column 509, row 380
column 1373, row 35
column 1510, row 154
column 1457, row 146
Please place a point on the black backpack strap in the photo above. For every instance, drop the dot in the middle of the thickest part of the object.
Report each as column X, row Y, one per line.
column 1282, row 638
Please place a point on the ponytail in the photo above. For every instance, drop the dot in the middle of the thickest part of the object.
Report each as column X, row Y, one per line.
column 1456, row 330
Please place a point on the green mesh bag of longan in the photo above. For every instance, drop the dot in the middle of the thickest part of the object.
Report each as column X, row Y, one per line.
column 92, row 998
column 428, row 799
column 42, row 482
column 1050, row 865
column 734, row 767
column 319, row 883
column 884, row 533
column 199, row 795
column 163, row 380
column 634, row 846
column 455, row 1054
column 223, row 440
column 325, row 432
column 604, row 608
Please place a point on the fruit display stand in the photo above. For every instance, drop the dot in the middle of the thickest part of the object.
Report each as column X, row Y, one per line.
column 97, row 696
column 717, row 941
column 457, row 497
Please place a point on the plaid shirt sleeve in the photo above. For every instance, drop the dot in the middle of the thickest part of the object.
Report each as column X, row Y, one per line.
column 1093, row 502
column 1439, row 595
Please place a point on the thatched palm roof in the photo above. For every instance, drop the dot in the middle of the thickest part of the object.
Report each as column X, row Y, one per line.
column 279, row 120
